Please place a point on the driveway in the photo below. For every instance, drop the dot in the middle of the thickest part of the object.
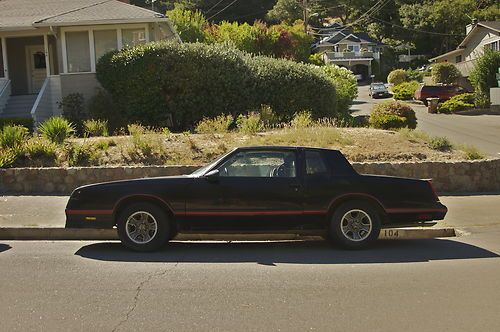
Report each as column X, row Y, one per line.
column 482, row 131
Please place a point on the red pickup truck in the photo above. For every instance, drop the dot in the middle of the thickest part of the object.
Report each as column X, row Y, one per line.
column 443, row 92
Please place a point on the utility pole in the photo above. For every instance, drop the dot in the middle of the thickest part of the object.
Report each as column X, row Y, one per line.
column 304, row 6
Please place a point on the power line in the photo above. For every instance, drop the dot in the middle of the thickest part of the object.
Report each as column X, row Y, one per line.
column 223, row 9
column 208, row 11
column 416, row 30
column 374, row 9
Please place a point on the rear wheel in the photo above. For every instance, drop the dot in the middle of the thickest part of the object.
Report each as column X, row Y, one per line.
column 143, row 227
column 355, row 225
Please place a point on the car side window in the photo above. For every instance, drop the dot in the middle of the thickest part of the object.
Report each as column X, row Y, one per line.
column 315, row 164
column 260, row 164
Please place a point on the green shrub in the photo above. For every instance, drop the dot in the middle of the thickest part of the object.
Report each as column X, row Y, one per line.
column 393, row 114
column 25, row 122
column 414, row 75
column 219, row 124
column 440, row 144
column 81, row 154
column 250, row 123
column 95, row 127
column 457, row 103
column 40, row 148
column 471, row 152
column 397, row 77
column 73, row 109
column 346, row 84
column 445, row 73
column 268, row 117
column 302, row 120
column 483, row 76
column 405, row 90
column 195, row 81
column 57, row 129
column 7, row 158
column 12, row 136
column 102, row 106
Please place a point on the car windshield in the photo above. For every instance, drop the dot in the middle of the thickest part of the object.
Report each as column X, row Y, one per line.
column 378, row 87
column 204, row 169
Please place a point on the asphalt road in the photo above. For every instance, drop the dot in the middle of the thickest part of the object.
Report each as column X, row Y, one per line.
column 261, row 286
column 482, row 131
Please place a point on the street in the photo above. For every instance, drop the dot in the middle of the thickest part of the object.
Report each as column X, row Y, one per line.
column 294, row 286
column 482, row 131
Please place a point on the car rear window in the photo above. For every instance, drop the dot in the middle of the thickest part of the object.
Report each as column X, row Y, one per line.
column 339, row 164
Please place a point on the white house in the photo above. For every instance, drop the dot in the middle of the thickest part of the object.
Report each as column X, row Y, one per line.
column 478, row 36
column 353, row 50
column 49, row 48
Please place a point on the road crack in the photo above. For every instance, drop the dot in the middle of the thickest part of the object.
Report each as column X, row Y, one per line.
column 138, row 291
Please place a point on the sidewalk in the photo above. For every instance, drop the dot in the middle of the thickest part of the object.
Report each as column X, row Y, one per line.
column 48, row 211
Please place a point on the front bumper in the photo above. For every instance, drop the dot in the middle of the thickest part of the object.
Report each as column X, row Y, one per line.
column 100, row 219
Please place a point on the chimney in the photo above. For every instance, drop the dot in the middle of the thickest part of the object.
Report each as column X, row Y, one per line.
column 471, row 26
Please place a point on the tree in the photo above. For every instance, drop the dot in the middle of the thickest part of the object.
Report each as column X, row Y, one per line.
column 445, row 73
column 483, row 76
column 287, row 11
column 190, row 25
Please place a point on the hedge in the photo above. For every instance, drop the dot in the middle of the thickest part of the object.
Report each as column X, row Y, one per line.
column 192, row 81
column 393, row 114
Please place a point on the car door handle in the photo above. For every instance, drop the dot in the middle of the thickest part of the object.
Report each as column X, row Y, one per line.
column 295, row 186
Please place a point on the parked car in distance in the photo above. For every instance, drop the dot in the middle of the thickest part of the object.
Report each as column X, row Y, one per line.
column 266, row 189
column 378, row 90
column 443, row 92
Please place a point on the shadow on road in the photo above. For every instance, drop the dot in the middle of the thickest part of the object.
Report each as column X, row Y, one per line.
column 293, row 252
column 4, row 247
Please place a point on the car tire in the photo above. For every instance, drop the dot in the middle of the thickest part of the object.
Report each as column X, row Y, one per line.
column 143, row 227
column 354, row 225
column 426, row 103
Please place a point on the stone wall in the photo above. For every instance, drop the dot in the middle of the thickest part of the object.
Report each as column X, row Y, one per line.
column 448, row 177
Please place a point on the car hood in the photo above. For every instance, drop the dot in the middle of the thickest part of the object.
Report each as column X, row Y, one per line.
column 163, row 180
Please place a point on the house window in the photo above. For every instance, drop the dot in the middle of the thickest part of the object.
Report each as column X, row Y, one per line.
column 353, row 48
column 78, row 51
column 104, row 42
column 495, row 46
column 132, row 37
column 458, row 58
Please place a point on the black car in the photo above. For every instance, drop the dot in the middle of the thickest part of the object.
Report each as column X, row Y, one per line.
column 258, row 189
column 378, row 90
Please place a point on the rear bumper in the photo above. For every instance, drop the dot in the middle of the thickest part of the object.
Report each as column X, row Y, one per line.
column 89, row 219
column 416, row 216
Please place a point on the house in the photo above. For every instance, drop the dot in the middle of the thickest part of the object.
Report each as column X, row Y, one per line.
column 342, row 46
column 478, row 36
column 49, row 48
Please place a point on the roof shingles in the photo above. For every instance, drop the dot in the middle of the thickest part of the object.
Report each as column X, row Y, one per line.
column 19, row 14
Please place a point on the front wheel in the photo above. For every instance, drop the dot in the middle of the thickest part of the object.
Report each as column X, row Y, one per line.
column 143, row 227
column 355, row 225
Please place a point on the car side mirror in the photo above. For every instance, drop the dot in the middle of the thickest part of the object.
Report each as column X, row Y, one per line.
column 212, row 176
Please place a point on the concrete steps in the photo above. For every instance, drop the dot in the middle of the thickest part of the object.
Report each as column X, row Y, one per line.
column 19, row 106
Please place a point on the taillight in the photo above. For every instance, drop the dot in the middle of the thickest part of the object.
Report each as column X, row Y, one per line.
column 432, row 189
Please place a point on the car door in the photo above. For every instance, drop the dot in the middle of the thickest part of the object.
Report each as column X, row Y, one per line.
column 254, row 190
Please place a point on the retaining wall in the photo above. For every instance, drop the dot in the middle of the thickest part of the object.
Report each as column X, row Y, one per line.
column 448, row 177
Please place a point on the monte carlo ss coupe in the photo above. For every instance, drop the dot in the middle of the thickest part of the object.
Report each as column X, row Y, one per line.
column 258, row 189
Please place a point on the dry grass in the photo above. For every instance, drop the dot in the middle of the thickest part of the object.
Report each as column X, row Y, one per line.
column 358, row 144
column 161, row 148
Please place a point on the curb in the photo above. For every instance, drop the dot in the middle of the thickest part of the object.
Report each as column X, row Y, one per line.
column 82, row 234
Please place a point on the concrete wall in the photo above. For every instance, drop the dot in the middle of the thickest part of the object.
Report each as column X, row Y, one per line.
column 448, row 177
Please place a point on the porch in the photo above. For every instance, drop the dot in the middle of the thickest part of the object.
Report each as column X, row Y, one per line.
column 29, row 74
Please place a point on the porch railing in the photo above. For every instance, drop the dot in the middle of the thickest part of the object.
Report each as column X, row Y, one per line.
column 46, row 102
column 5, row 91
